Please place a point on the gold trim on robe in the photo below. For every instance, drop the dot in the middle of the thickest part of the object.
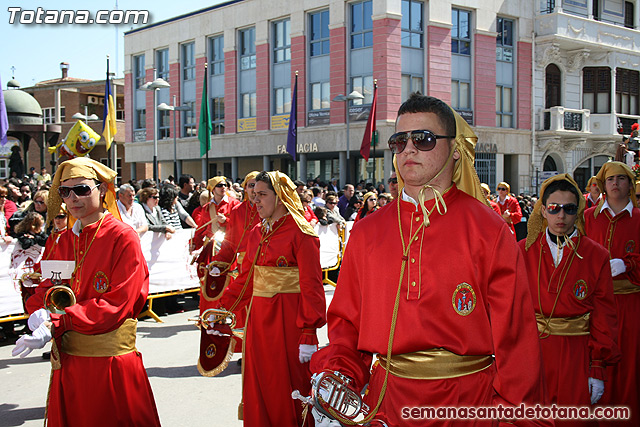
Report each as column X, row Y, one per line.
column 269, row 281
column 565, row 326
column 624, row 287
column 115, row 343
column 434, row 364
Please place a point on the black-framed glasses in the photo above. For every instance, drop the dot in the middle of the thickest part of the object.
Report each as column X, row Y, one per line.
column 154, row 197
column 221, row 185
column 423, row 140
column 81, row 190
column 502, row 189
column 569, row 208
column 392, row 181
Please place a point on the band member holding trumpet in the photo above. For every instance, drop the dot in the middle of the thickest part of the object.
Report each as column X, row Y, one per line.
column 216, row 212
column 449, row 316
column 281, row 282
column 98, row 376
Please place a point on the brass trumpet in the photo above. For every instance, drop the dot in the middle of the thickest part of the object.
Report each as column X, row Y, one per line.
column 223, row 317
column 59, row 297
column 332, row 390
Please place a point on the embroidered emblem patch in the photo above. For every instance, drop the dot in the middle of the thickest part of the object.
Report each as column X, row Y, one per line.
column 101, row 282
column 211, row 351
column 580, row 290
column 464, row 299
column 282, row 262
column 630, row 246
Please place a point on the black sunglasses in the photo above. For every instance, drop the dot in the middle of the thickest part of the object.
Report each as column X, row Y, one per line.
column 423, row 140
column 221, row 185
column 502, row 189
column 61, row 217
column 569, row 208
column 155, row 197
column 392, row 181
column 81, row 190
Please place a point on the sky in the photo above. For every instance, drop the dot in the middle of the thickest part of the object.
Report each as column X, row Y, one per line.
column 36, row 50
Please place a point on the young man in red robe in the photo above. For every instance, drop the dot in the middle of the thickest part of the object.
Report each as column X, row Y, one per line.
column 509, row 206
column 572, row 292
column 615, row 224
column 98, row 376
column 281, row 282
column 449, row 318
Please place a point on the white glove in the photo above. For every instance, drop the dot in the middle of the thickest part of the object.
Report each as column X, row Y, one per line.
column 306, row 351
column 322, row 420
column 617, row 267
column 596, row 389
column 27, row 343
column 37, row 318
column 214, row 272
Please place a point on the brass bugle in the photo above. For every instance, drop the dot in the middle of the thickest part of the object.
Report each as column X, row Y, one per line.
column 59, row 297
column 220, row 316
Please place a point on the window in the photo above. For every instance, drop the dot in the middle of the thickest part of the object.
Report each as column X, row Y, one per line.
column 361, row 25
column 216, row 50
column 162, row 64
column 628, row 14
column 504, row 107
column 189, row 119
column 164, row 124
column 460, row 32
column 460, row 95
column 486, row 168
column 248, row 105
column 188, row 62
column 504, row 40
column 282, row 41
column 596, row 89
column 412, row 29
column 282, row 100
column 248, row 49
column 319, row 33
column 320, row 96
column 49, row 115
column 411, row 84
column 552, row 86
column 627, row 91
column 217, row 115
column 138, row 70
column 140, row 121
column 363, row 85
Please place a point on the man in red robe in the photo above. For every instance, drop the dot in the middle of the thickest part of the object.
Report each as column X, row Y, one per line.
column 593, row 192
column 509, row 206
column 449, row 318
column 98, row 376
column 570, row 282
column 281, row 282
column 615, row 224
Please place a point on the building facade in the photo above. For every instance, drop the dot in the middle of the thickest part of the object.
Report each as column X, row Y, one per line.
column 477, row 56
column 586, row 79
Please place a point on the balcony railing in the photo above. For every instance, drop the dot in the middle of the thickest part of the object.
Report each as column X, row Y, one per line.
column 565, row 119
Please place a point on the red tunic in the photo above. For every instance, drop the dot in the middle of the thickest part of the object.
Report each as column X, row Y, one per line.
column 468, row 247
column 620, row 235
column 276, row 326
column 511, row 203
column 224, row 207
column 586, row 288
column 101, row 390
column 495, row 207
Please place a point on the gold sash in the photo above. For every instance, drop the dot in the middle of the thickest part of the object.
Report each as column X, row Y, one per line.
column 624, row 287
column 269, row 281
column 115, row 343
column 434, row 364
column 565, row 326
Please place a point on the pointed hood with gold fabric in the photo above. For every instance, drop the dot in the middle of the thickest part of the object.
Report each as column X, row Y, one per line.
column 82, row 167
column 251, row 175
column 286, row 191
column 612, row 169
column 537, row 224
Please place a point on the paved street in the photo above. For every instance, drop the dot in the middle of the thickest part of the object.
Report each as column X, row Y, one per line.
column 169, row 349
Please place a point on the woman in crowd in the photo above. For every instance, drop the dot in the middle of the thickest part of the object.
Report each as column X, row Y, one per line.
column 333, row 213
column 370, row 205
column 39, row 205
column 7, row 208
column 149, row 200
column 355, row 203
column 306, row 198
column 167, row 201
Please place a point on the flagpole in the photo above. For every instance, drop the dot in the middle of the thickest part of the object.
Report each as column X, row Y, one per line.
column 206, row 91
column 373, row 138
column 295, row 164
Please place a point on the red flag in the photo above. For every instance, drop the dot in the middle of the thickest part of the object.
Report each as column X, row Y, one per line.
column 365, row 148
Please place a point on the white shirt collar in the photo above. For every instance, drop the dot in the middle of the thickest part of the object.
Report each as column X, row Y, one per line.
column 556, row 252
column 628, row 208
column 77, row 226
column 408, row 198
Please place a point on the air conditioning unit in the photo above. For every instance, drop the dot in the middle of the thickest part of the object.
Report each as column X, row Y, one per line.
column 101, row 101
column 93, row 100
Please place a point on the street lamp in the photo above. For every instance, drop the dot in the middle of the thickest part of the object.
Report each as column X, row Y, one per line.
column 346, row 98
column 174, row 108
column 155, row 85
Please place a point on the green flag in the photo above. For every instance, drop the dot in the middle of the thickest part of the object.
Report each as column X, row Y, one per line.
column 204, row 128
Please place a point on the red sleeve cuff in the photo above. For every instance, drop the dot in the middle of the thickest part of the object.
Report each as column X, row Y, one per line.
column 308, row 336
column 61, row 324
column 597, row 370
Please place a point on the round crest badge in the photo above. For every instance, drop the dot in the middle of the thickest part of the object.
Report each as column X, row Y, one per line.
column 464, row 299
column 580, row 290
column 282, row 262
column 101, row 282
column 630, row 246
column 211, row 351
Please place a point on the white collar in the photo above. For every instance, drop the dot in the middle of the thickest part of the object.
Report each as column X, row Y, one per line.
column 628, row 208
column 408, row 198
column 556, row 252
column 77, row 226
